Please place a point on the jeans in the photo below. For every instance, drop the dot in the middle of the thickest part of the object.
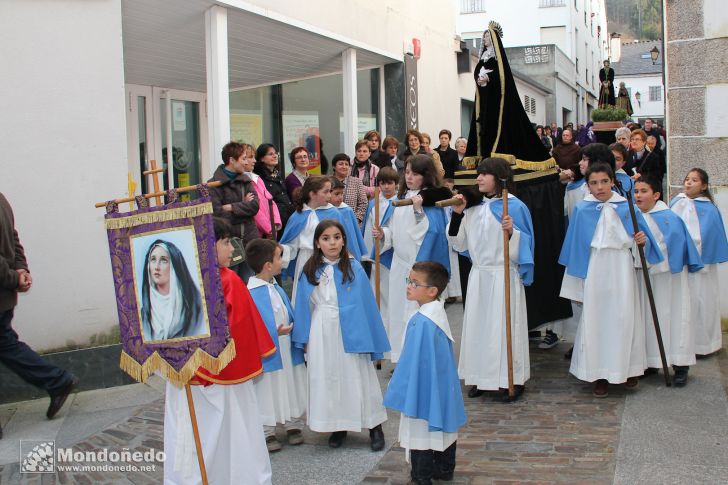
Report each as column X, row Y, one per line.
column 26, row 363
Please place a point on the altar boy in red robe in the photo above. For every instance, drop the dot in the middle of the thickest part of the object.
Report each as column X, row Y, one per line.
column 228, row 419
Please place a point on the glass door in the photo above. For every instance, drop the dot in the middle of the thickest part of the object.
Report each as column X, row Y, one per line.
column 140, row 135
column 183, row 126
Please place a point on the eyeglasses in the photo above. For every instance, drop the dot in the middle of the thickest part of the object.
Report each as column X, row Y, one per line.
column 411, row 283
column 301, row 157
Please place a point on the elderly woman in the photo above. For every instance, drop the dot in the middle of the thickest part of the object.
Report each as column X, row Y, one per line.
column 374, row 141
column 390, row 158
column 171, row 302
column 295, row 179
column 363, row 168
column 266, row 166
column 622, row 135
column 461, row 145
column 416, row 144
column 354, row 194
column 644, row 162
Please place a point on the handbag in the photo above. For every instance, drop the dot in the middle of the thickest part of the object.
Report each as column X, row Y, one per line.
column 238, row 250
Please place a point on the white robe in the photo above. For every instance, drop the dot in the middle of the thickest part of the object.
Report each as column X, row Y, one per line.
column 384, row 271
column 301, row 247
column 231, row 434
column 414, row 433
column 405, row 234
column 282, row 393
column 610, row 339
column 454, row 289
column 483, row 355
column 672, row 301
column 704, row 287
column 343, row 390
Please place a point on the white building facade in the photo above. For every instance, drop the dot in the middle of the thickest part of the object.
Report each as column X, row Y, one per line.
column 633, row 65
column 578, row 28
column 97, row 90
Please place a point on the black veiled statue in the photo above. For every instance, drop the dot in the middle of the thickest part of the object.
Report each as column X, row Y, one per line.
column 501, row 128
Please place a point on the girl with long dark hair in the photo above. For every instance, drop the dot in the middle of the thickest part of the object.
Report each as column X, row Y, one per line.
column 338, row 325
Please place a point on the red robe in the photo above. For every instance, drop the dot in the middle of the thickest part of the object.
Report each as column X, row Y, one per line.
column 252, row 340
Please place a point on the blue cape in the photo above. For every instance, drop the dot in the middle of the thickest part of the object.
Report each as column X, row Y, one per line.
column 434, row 245
column 261, row 297
column 522, row 221
column 626, row 181
column 681, row 250
column 386, row 257
column 575, row 185
column 425, row 384
column 354, row 239
column 712, row 232
column 576, row 251
column 361, row 324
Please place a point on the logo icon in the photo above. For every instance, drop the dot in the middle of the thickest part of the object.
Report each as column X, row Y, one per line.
column 37, row 456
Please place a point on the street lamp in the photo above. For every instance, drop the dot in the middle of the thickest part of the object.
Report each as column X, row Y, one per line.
column 654, row 53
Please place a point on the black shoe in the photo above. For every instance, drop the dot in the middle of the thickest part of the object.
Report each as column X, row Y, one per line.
column 681, row 375
column 534, row 336
column 377, row 436
column 475, row 392
column 550, row 340
column 336, row 439
column 59, row 399
column 650, row 371
column 567, row 355
column 443, row 477
column 517, row 393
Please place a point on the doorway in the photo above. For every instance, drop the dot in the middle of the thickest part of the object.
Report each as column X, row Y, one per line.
column 154, row 117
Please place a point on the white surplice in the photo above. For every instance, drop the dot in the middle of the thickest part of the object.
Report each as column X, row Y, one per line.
column 610, row 338
column 704, row 286
column 672, row 302
column 483, row 357
column 231, row 435
column 282, row 393
column 454, row 289
column 301, row 247
column 405, row 234
column 343, row 390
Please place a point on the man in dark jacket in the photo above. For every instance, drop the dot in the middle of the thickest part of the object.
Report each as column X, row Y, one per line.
column 236, row 199
column 16, row 355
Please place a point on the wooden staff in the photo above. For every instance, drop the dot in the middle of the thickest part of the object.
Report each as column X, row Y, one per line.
column 449, row 202
column 196, row 433
column 507, row 295
column 155, row 180
column 179, row 190
column 377, row 259
column 650, row 295
column 402, row 202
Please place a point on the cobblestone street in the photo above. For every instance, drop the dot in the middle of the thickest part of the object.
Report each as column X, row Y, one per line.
column 558, row 433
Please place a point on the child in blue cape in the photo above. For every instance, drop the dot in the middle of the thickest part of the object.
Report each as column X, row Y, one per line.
column 356, row 245
column 477, row 227
column 387, row 180
column 425, row 387
column 669, row 281
column 338, row 325
column 416, row 233
column 281, row 390
column 598, row 252
column 696, row 207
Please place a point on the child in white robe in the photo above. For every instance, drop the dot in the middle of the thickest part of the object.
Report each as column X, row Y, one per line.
column 425, row 387
column 454, row 289
column 416, row 233
column 696, row 208
column 387, row 180
column 598, row 253
column 669, row 281
column 479, row 230
column 281, row 390
column 226, row 406
column 338, row 325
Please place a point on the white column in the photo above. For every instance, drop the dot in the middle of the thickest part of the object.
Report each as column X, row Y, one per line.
column 382, row 106
column 218, row 89
column 351, row 111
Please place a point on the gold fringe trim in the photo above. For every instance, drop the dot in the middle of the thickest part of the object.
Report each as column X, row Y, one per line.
column 502, row 75
column 471, row 163
column 158, row 216
column 200, row 358
column 534, row 175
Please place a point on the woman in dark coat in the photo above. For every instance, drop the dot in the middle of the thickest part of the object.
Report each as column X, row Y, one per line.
column 266, row 166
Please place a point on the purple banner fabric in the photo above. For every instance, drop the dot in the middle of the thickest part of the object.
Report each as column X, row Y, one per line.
column 168, row 291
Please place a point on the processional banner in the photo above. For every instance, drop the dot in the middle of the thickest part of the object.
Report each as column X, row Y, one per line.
column 172, row 315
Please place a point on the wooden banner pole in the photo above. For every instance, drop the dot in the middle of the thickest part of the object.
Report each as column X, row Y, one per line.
column 196, row 432
column 179, row 190
column 507, row 296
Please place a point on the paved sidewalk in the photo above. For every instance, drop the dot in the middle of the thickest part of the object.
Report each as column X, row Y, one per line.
column 558, row 433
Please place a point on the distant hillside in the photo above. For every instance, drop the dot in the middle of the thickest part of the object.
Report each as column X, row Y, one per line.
column 635, row 19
